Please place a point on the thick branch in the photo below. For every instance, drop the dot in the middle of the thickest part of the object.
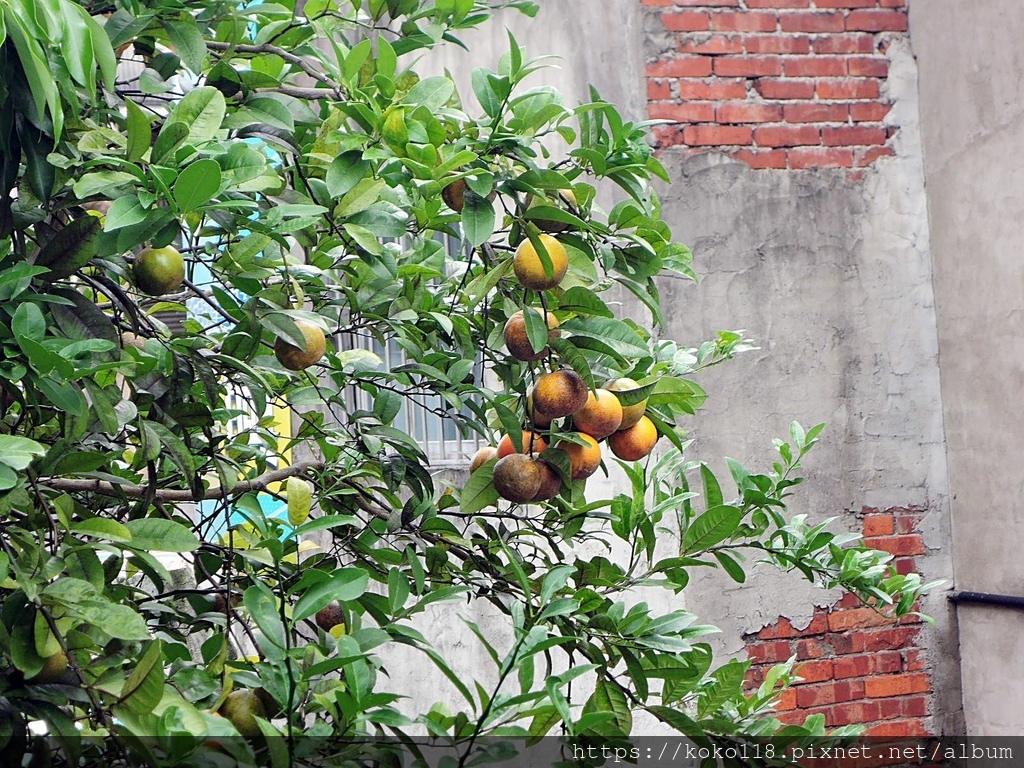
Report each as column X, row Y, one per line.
column 288, row 56
column 106, row 488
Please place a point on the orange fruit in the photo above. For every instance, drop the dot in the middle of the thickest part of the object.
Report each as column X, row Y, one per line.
column 530, row 270
column 633, row 443
column 584, row 459
column 481, row 457
column 550, row 482
column 295, row 358
column 53, row 669
column 517, row 478
column 630, row 413
column 158, row 271
column 562, row 198
column 330, row 616
column 532, row 443
column 538, row 420
column 454, row 195
column 560, row 393
column 601, row 415
column 240, row 707
column 518, row 343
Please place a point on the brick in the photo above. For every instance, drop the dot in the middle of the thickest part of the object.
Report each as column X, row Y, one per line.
column 820, row 157
column 846, row 3
column 778, row 3
column 744, row 21
column 913, row 661
column 787, row 136
column 786, row 701
column 890, row 708
column 852, row 666
column 720, row 3
column 896, row 685
column 890, row 639
column 781, row 628
column 854, row 712
column 907, row 523
column 761, row 158
column 714, row 90
column 879, row 525
column 815, row 695
column 817, row 625
column 916, row 706
column 777, row 44
column 744, row 112
column 847, row 89
column 843, row 44
column 683, row 112
column 748, row 66
column 911, row 543
column 898, row 728
column 868, row 66
column 815, row 671
column 845, row 136
column 894, row 3
column 771, row 652
column 828, row 21
column 785, row 89
column 658, row 90
column 877, row 21
column 680, row 66
column 857, row 618
column 848, row 600
column 657, row 2
column 814, row 66
column 810, row 648
column 852, row 642
column 904, row 565
column 711, row 45
column 686, row 21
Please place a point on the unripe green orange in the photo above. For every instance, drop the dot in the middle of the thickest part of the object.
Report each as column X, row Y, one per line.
column 158, row 271
column 295, row 358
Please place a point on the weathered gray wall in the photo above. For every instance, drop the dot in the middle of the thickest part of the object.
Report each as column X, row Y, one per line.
column 972, row 75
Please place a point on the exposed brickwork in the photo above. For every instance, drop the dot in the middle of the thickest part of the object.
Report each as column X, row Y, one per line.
column 776, row 83
column 858, row 667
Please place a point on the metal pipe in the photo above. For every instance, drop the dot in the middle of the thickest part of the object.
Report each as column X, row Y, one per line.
column 986, row 598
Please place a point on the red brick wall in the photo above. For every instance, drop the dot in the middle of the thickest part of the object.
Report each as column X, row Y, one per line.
column 857, row 666
column 776, row 83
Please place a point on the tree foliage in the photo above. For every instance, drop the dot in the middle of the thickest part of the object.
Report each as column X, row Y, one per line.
column 295, row 158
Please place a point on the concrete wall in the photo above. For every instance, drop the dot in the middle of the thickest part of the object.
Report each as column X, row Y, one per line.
column 971, row 75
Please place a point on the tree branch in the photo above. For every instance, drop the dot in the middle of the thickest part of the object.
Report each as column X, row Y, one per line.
column 107, row 488
column 288, row 56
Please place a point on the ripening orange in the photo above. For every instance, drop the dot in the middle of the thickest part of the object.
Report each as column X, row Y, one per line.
column 630, row 413
column 532, row 443
column 529, row 268
column 537, row 419
column 560, row 393
column 601, row 416
column 518, row 342
column 550, row 482
column 584, row 459
column 635, row 442
column 517, row 478
column 481, row 457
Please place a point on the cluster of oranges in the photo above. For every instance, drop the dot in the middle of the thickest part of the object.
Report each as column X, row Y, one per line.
column 521, row 474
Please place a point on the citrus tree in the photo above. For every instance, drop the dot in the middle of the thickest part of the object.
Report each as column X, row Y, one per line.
column 212, row 214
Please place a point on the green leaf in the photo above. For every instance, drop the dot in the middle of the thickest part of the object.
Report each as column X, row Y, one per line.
column 18, row 452
column 71, row 248
column 28, row 322
column 118, row 621
column 197, row 184
column 262, row 605
column 712, row 491
column 202, row 111
column 733, row 568
column 715, row 525
column 140, row 134
column 300, row 500
column 172, row 136
column 479, row 492
column 145, row 685
column 161, row 535
column 187, row 41
column 360, row 197
column 610, row 698
column 124, row 212
column 604, row 334
column 571, row 354
column 536, row 329
column 584, row 301
column 477, row 218
column 432, row 93
column 103, row 528
column 344, row 172
column 343, row 585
